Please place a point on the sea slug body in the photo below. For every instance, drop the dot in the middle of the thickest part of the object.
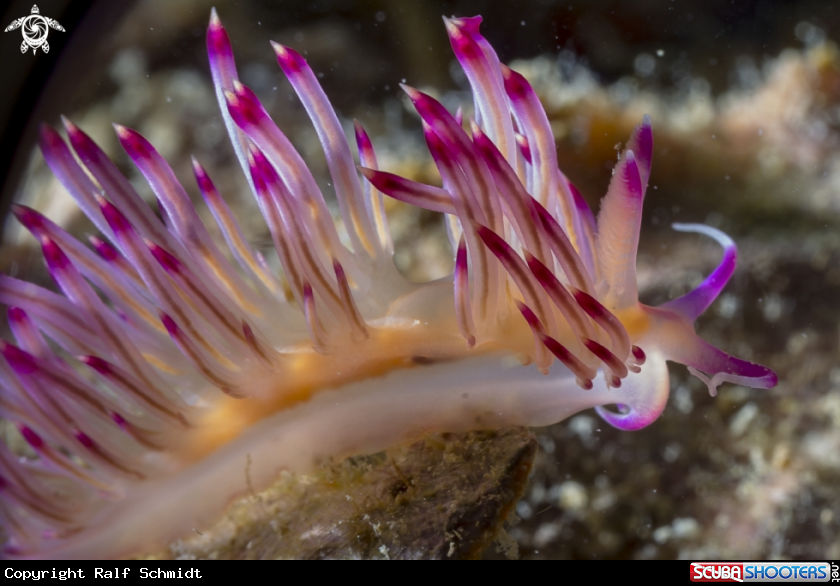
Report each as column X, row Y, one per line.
column 171, row 360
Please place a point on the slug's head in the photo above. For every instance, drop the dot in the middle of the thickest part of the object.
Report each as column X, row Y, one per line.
column 572, row 276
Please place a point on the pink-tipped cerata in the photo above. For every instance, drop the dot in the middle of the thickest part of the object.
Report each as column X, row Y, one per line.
column 481, row 65
column 463, row 308
column 339, row 160
column 373, row 198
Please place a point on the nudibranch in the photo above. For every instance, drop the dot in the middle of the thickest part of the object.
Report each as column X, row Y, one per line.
column 171, row 362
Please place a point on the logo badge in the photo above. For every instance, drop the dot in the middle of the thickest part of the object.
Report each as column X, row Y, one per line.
column 35, row 29
column 798, row 572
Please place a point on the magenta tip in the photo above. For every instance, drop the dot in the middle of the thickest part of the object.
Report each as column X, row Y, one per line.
column 516, row 85
column 27, row 216
column 85, row 440
column 169, row 324
column 55, row 257
column 16, row 314
column 113, row 216
column 631, row 174
column 32, row 438
column 289, row 60
column 166, row 260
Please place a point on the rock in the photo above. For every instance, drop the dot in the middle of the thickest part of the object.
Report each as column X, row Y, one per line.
column 446, row 497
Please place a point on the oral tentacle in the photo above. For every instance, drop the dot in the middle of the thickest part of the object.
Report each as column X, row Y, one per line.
column 694, row 303
column 709, row 364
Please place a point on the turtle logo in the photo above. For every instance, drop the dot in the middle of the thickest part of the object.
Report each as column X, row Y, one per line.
column 35, row 29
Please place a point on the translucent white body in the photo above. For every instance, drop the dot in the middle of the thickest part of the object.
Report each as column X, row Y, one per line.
column 484, row 392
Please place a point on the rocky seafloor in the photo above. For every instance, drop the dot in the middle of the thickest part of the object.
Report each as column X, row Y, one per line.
column 747, row 474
